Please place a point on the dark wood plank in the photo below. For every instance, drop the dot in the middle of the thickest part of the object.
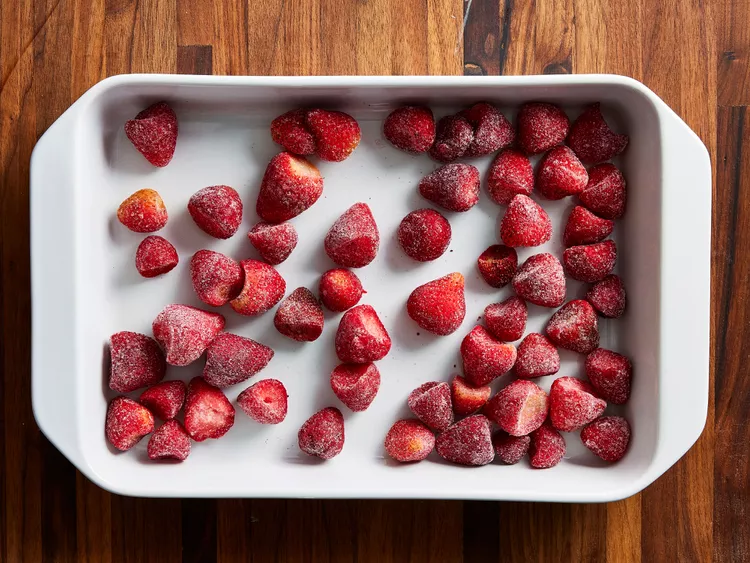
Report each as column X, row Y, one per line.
column 484, row 38
column 194, row 59
column 93, row 522
column 146, row 530
column 198, row 530
column 733, row 36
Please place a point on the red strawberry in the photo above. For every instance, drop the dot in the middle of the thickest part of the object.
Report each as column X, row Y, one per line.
column 217, row 210
column 170, row 441
column 185, row 332
column 492, row 131
column 541, row 126
column 353, row 240
column 484, row 357
column 466, row 397
column 547, row 447
column 583, row 227
column 356, row 385
column 431, row 403
column 340, row 289
column 155, row 256
column 208, row 413
column 592, row 139
column 561, row 174
column 507, row 320
column 439, row 306
column 153, row 133
column 263, row 288
column 322, row 435
column 410, row 128
column 216, row 278
column 454, row 187
column 536, row 356
column 453, row 136
column 336, row 133
column 290, row 185
column 135, row 361
column 127, row 422
column 573, row 404
column 409, row 440
column 424, row 235
column 164, row 399
column 608, row 296
column 541, row 281
column 590, row 263
column 232, row 359
column 264, row 401
column 300, row 316
column 467, row 442
column 498, row 264
column 510, row 449
column 274, row 242
column 143, row 212
column 525, row 223
column 610, row 373
column 574, row 327
column 361, row 337
column 607, row 437
column 510, row 174
column 519, row 409
column 605, row 193
column 290, row 131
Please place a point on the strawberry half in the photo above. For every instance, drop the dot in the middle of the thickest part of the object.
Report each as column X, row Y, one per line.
column 290, row 185
column 265, row 401
column 361, row 337
column 208, row 413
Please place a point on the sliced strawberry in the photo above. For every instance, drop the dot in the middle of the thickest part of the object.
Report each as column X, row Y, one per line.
column 541, row 126
column 454, row 187
column 439, row 306
column 155, row 256
column 300, row 316
column 525, row 223
column 170, row 441
column 356, row 385
column 232, row 359
column 498, row 265
column 217, row 210
column 274, row 243
column 409, row 440
column 208, row 413
column 510, row 449
column 510, row 174
column 431, row 403
column 164, row 399
column 153, row 133
column 290, row 185
column 573, row 404
column 574, row 327
column 608, row 296
column 507, row 320
column 340, row 289
column 519, row 409
column 590, row 263
column 265, row 401
column 561, row 174
column 424, row 235
column 353, row 240
column 583, row 227
column 216, row 278
column 468, row 398
column 361, row 337
column 605, row 193
column 135, row 361
column 143, row 212
column 610, row 373
column 336, row 133
column 541, row 281
column 467, row 442
column 290, row 131
column 547, row 447
column 322, row 435
column 263, row 287
column 127, row 422
column 485, row 358
column 453, row 136
column 592, row 139
column 492, row 130
column 536, row 356
column 185, row 332
column 607, row 437
column 410, row 128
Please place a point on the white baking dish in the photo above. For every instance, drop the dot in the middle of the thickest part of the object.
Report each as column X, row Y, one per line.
column 85, row 286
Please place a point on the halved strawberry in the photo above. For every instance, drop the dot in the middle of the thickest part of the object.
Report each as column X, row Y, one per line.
column 127, row 422
column 264, row 401
column 208, row 413
column 468, row 398
column 361, row 337
column 290, row 185
column 519, row 409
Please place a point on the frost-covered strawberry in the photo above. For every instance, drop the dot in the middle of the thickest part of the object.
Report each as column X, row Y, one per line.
column 217, row 210
column 164, row 399
column 361, row 337
column 507, row 320
column 208, row 413
column 484, row 357
column 547, row 447
column 498, row 265
column 573, row 404
column 170, row 441
column 492, row 130
column 467, row 442
column 510, row 174
column 519, row 409
column 127, row 422
column 290, row 131
column 610, row 373
column 590, row 263
column 583, row 227
column 574, row 327
column 592, row 139
column 454, row 187
column 536, row 356
column 185, row 332
column 607, row 437
column 265, row 401
column 410, row 128
column 525, row 223
column 356, row 385
column 561, row 174
column 231, row 359
column 605, row 192
column 510, row 449
column 353, row 240
column 439, row 306
column 290, row 185
column 424, row 235
column 135, row 361
column 431, row 403
column 336, row 133
column 608, row 296
column 468, row 398
column 300, row 316
column 340, row 289
column 409, row 440
column 273, row 242
column 541, row 281
column 155, row 256
column 216, row 278
column 541, row 126
column 453, row 136
column 322, row 435
column 263, row 287
column 153, row 133
column 143, row 212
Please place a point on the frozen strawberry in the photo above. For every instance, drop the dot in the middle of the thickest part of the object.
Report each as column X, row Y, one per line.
column 431, row 403
column 208, row 413
column 273, row 242
column 510, row 449
column 454, row 187
column 467, row 442
column 164, row 399
column 573, row 404
column 484, row 357
column 185, row 332
column 340, row 289
column 492, row 130
column 468, row 398
column 290, row 185
column 507, row 320
column 143, row 212
column 498, row 264
column 561, row 174
column 607, row 437
column 356, row 385
column 216, row 278
column 525, row 223
column 510, row 174
column 409, row 440
column 170, row 441
column 541, row 281
column 610, row 374
column 153, row 133
column 547, row 447
column 590, row 263
column 155, row 256
column 127, row 422
column 605, row 193
column 424, row 234
column 439, row 306
column 608, row 296
column 410, row 128
column 592, row 139
column 361, row 337
column 265, row 401
column 574, row 327
column 322, row 435
column 536, row 356
column 232, row 359
column 541, row 126
column 453, row 136
column 300, row 316
column 583, row 227
column 353, row 240
column 336, row 133
column 136, row 361
column 519, row 409
column 217, row 210
column 263, row 288
column 290, row 131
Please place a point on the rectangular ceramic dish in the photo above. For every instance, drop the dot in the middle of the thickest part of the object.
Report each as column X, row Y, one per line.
column 85, row 286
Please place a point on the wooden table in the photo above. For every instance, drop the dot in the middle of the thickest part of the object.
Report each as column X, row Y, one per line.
column 694, row 54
